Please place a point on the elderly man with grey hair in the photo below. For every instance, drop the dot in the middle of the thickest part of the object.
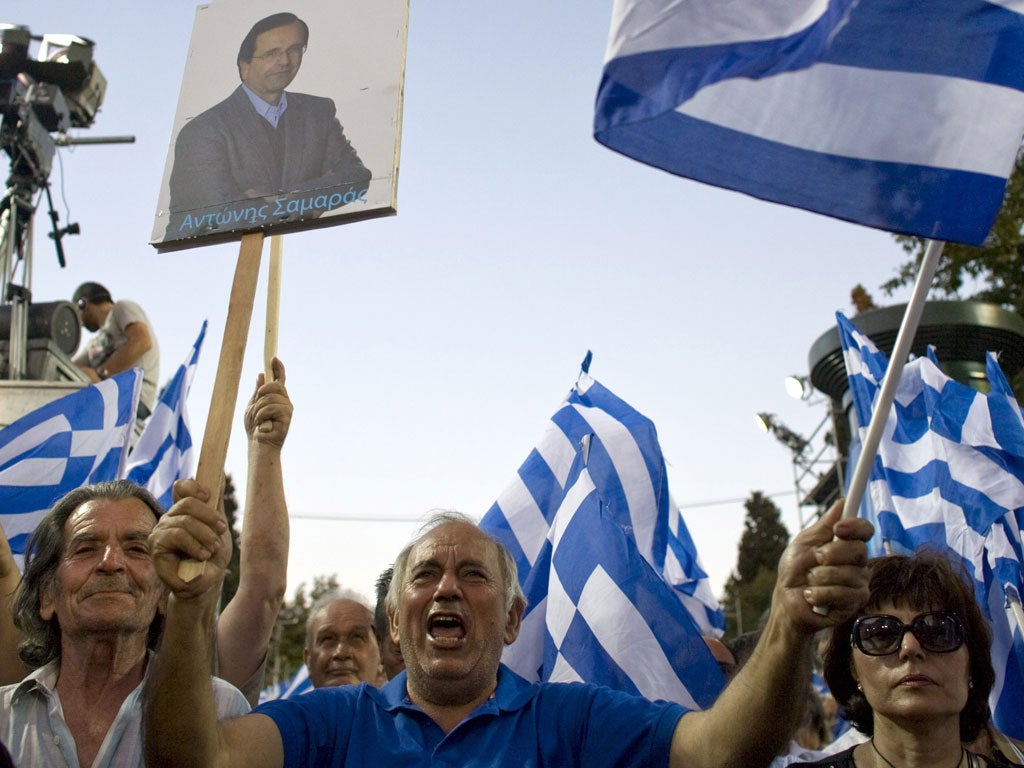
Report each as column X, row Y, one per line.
column 90, row 605
column 342, row 646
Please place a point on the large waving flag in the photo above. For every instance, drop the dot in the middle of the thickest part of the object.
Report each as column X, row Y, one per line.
column 616, row 592
column 898, row 114
column 79, row 439
column 950, row 474
column 164, row 451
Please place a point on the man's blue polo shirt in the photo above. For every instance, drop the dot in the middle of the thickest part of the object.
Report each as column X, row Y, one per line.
column 524, row 724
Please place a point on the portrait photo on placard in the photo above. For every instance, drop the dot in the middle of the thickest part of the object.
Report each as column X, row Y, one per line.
column 289, row 118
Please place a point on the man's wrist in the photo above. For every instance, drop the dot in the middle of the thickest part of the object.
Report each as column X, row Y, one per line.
column 102, row 372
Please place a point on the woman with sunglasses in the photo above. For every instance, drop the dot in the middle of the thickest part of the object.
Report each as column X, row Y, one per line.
column 913, row 670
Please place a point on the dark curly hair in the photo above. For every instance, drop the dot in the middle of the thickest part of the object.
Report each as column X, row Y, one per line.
column 42, row 556
column 926, row 580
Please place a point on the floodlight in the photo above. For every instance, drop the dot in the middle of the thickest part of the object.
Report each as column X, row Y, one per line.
column 798, row 387
column 795, row 442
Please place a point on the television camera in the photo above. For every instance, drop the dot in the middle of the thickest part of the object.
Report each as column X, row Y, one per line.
column 61, row 88
column 49, row 84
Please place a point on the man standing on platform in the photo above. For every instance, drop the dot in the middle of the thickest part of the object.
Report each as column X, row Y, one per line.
column 124, row 339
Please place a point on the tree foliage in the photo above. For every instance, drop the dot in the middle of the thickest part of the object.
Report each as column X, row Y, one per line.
column 289, row 637
column 748, row 591
column 997, row 266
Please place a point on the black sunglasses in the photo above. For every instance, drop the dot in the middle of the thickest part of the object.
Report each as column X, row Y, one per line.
column 82, row 303
column 881, row 634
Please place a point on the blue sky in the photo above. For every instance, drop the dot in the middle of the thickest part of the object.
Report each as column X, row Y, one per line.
column 426, row 351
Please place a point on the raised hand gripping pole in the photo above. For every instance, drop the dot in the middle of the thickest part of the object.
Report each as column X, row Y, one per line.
column 891, row 380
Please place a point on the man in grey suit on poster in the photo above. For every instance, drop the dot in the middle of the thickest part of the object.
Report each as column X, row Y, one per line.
column 263, row 154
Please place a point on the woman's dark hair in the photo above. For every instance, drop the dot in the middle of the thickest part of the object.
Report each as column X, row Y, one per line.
column 927, row 581
column 42, row 556
column 248, row 46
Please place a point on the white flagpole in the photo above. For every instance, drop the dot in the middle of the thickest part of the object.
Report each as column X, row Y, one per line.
column 1013, row 599
column 887, row 392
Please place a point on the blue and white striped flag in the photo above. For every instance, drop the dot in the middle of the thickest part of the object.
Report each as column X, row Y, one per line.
column 76, row 440
column 1004, row 569
column 950, row 474
column 616, row 592
column 898, row 114
column 164, row 452
column 286, row 689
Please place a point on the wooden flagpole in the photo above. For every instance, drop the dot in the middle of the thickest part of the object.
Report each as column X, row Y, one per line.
column 273, row 312
column 273, row 305
column 214, row 450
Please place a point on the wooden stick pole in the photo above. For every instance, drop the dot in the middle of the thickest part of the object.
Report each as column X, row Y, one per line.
column 214, row 451
column 273, row 305
column 273, row 312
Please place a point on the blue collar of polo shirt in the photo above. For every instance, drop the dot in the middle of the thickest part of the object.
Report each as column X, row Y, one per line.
column 512, row 693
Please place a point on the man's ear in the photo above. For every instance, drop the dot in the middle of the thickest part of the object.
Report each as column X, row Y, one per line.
column 514, row 621
column 46, row 607
column 393, row 626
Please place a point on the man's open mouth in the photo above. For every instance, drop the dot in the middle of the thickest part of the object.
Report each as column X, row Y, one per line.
column 446, row 629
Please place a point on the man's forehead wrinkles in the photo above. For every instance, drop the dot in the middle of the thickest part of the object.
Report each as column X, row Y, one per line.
column 441, row 554
column 82, row 536
column 462, row 546
column 92, row 531
column 458, row 565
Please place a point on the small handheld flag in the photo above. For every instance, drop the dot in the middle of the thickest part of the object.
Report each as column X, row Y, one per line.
column 164, row 452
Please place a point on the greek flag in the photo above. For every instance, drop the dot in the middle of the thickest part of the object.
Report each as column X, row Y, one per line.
column 286, row 689
column 164, row 451
column 897, row 114
column 616, row 592
column 950, row 474
column 78, row 439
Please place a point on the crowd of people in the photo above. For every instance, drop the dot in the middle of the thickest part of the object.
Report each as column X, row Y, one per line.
column 111, row 658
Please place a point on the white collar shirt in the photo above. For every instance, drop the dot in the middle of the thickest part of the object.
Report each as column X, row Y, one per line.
column 32, row 723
